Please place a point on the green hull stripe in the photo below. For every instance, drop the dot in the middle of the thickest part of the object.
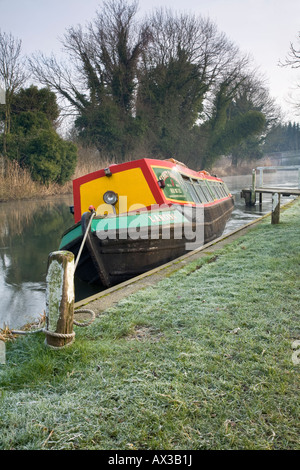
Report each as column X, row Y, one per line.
column 146, row 219
column 70, row 236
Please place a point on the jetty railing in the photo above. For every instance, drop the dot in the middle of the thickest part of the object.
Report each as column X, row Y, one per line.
column 261, row 170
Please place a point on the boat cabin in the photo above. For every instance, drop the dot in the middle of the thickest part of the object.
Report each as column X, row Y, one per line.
column 140, row 184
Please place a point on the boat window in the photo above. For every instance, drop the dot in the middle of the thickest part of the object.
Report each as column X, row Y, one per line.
column 204, row 191
column 209, row 190
column 223, row 189
column 200, row 194
column 209, row 185
column 190, row 186
column 226, row 189
column 218, row 189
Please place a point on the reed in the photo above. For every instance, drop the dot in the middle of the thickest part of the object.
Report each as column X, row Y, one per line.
column 16, row 182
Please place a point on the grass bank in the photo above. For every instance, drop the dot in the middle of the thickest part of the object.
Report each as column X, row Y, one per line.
column 202, row 360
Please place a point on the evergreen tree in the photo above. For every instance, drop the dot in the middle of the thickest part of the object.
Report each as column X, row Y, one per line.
column 283, row 138
column 33, row 141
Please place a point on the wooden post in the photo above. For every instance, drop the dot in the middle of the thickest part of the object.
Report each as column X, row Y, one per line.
column 275, row 208
column 261, row 173
column 60, row 299
column 253, row 193
column 2, row 352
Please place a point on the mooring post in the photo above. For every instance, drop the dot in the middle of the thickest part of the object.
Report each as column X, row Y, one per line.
column 2, row 352
column 60, row 299
column 261, row 176
column 275, row 208
column 253, row 193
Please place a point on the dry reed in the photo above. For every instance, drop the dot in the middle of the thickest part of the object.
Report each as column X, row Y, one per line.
column 16, row 182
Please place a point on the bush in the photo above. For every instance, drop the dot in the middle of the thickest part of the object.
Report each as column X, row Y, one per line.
column 49, row 158
column 33, row 141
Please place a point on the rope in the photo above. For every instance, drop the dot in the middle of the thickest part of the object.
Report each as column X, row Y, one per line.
column 60, row 335
column 83, row 240
column 87, row 323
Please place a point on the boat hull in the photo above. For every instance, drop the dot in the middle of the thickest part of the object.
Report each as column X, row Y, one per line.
column 122, row 252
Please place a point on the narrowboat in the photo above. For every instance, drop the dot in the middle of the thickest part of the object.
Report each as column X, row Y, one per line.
column 132, row 217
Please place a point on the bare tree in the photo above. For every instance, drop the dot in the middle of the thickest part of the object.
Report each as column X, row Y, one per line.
column 293, row 57
column 200, row 39
column 99, row 79
column 293, row 60
column 12, row 74
column 61, row 78
column 184, row 67
column 102, row 59
column 120, row 45
column 215, row 58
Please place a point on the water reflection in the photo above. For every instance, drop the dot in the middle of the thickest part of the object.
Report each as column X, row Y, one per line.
column 30, row 230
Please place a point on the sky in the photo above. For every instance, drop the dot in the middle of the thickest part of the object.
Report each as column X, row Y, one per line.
column 262, row 28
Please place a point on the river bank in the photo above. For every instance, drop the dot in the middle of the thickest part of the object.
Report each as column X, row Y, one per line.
column 203, row 359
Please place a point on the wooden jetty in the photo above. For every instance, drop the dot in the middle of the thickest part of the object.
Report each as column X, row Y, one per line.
column 249, row 194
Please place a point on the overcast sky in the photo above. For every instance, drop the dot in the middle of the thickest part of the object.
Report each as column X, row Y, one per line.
column 263, row 28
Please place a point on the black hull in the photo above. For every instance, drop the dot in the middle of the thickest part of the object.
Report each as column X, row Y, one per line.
column 111, row 261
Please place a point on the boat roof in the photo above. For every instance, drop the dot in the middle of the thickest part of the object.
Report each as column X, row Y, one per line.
column 146, row 162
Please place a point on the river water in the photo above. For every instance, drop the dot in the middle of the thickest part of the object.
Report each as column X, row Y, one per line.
column 30, row 230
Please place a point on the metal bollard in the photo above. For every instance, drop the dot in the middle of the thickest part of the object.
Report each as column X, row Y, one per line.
column 60, row 300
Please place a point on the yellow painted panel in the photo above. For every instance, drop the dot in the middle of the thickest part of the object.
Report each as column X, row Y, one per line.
column 130, row 185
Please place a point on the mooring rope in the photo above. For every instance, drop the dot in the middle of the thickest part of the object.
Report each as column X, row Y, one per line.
column 84, row 239
column 26, row 332
column 87, row 323
column 60, row 335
